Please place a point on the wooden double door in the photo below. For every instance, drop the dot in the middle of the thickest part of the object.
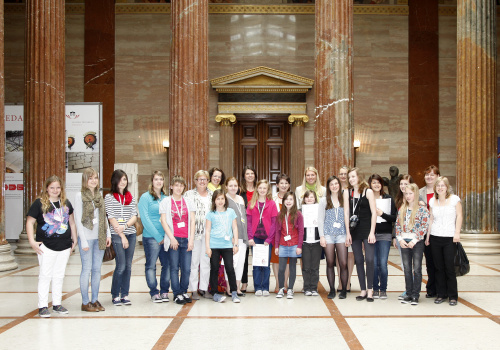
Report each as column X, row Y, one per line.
column 264, row 144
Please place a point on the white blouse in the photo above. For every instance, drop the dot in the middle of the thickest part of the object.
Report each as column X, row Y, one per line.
column 444, row 217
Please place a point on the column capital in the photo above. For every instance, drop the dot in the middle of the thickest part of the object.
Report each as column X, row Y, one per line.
column 225, row 119
column 298, row 119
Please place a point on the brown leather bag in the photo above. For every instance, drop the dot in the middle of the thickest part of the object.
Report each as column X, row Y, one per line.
column 138, row 227
column 109, row 254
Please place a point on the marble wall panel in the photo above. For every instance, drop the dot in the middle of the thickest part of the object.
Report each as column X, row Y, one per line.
column 14, row 24
column 75, row 34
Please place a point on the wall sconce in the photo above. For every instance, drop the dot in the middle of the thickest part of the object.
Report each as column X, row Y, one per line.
column 166, row 145
column 356, row 145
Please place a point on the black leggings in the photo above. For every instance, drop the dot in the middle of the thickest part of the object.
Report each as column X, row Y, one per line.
column 244, row 277
column 357, row 248
column 341, row 251
column 281, row 272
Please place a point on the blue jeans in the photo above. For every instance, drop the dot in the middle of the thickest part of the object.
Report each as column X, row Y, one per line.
column 261, row 273
column 380, row 265
column 412, row 260
column 121, row 277
column 180, row 258
column 153, row 251
column 91, row 262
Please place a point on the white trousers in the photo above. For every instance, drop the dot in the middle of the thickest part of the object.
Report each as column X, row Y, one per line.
column 238, row 261
column 52, row 269
column 199, row 262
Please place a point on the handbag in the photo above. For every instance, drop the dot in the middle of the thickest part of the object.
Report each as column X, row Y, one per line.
column 109, row 254
column 462, row 266
column 138, row 227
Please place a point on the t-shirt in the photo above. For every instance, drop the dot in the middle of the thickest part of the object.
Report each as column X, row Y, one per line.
column 221, row 231
column 52, row 227
column 180, row 215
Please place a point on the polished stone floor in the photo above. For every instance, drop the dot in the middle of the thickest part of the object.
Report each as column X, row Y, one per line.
column 266, row 322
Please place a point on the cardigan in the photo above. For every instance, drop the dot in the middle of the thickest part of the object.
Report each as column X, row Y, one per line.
column 268, row 219
column 296, row 232
column 166, row 208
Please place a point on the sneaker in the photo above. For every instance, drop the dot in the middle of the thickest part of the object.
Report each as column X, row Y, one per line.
column 258, row 293
column 331, row 295
column 44, row 312
column 89, row 308
column 179, row 299
column 207, row 295
column 314, row 293
column 126, row 301
column 406, row 300
column 265, row 293
column 414, row 301
column 187, row 299
column 117, row 301
column 235, row 297
column 219, row 298
column 289, row 294
column 281, row 293
column 383, row 294
column 195, row 296
column 164, row 297
column 98, row 306
column 156, row 298
column 376, row 294
column 308, row 293
column 60, row 309
column 402, row 296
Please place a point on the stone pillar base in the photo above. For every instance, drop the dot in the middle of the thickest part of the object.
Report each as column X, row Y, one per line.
column 480, row 244
column 7, row 261
column 23, row 245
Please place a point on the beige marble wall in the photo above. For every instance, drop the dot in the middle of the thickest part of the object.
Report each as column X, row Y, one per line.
column 238, row 42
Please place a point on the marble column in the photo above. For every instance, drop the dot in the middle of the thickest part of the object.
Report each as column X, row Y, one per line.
column 423, row 88
column 297, row 160
column 476, row 114
column 226, row 142
column 7, row 261
column 188, row 124
column 44, row 98
column 99, row 73
column 334, row 124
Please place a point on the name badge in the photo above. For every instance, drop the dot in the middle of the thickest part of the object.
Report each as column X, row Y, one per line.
column 336, row 224
column 64, row 227
column 121, row 220
column 95, row 221
column 181, row 225
column 242, row 220
column 288, row 237
column 227, row 238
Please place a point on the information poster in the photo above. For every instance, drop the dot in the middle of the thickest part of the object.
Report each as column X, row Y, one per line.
column 83, row 150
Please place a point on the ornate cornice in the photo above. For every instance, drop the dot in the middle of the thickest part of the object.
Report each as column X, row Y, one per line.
column 225, row 119
column 298, row 119
column 290, row 9
column 261, row 107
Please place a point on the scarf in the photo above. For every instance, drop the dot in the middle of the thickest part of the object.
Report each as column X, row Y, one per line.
column 120, row 198
column 313, row 188
column 88, row 214
column 212, row 187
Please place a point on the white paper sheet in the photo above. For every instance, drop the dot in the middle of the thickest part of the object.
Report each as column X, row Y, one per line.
column 260, row 255
column 383, row 204
column 310, row 213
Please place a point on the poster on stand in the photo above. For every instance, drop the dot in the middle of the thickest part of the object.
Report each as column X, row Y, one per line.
column 83, row 150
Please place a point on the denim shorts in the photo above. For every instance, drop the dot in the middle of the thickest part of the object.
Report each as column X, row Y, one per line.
column 335, row 239
column 288, row 251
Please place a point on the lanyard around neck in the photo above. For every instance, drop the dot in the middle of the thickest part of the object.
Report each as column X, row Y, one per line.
column 261, row 211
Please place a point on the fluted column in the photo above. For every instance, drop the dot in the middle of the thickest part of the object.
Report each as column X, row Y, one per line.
column 44, row 95
column 334, row 126
column 476, row 114
column 188, row 127
column 226, row 142
column 7, row 261
column 297, row 161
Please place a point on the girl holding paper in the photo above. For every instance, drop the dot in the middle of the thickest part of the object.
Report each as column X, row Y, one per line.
column 386, row 215
column 289, row 237
column 334, row 233
column 221, row 240
column 362, row 221
column 261, row 221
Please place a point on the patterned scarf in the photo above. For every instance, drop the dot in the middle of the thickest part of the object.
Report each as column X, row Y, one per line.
column 201, row 212
column 88, row 214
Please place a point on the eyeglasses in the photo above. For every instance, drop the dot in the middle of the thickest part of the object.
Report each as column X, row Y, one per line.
column 202, row 179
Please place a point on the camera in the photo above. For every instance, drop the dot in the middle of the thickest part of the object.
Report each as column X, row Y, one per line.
column 353, row 221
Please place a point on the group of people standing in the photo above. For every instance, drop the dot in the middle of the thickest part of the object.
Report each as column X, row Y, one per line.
column 202, row 236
